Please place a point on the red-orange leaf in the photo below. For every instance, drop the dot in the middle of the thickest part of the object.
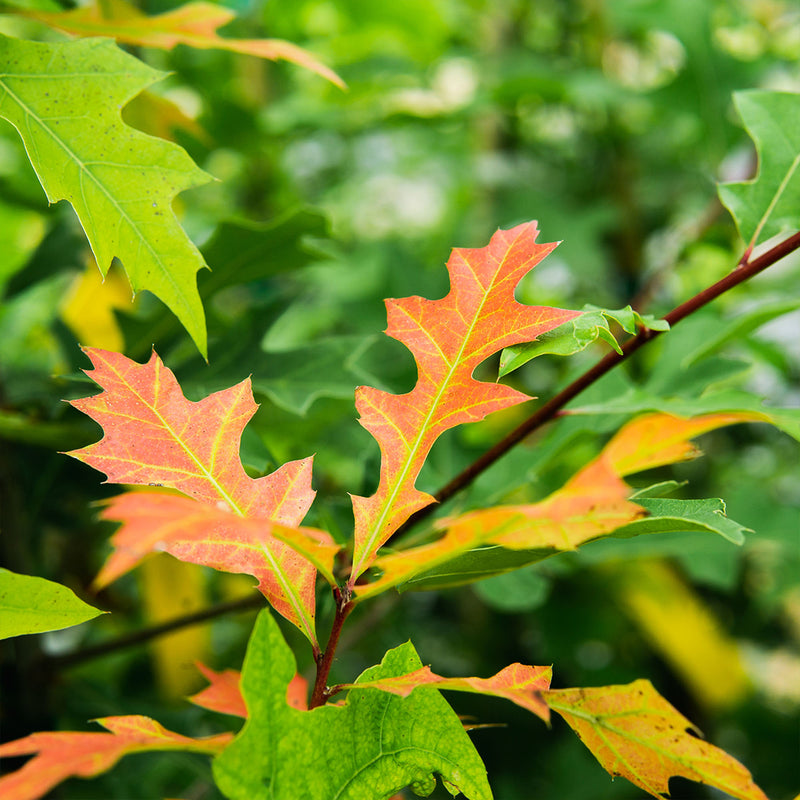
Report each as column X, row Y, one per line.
column 593, row 503
column 223, row 693
column 154, row 435
column 193, row 24
column 634, row 732
column 519, row 683
column 202, row 534
column 449, row 338
column 59, row 756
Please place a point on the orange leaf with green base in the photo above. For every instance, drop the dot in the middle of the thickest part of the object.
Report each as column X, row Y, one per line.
column 449, row 338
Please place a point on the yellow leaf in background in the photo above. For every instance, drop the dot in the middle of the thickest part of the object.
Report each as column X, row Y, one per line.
column 171, row 588
column 88, row 309
column 683, row 630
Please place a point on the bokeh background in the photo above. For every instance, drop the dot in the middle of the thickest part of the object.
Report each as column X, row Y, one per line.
column 610, row 123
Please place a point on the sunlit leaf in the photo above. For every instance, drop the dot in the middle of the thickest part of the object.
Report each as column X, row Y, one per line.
column 64, row 100
column 595, row 502
column 153, row 435
column 449, row 338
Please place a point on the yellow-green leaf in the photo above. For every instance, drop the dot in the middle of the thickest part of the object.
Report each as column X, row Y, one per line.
column 635, row 733
column 32, row 605
column 65, row 100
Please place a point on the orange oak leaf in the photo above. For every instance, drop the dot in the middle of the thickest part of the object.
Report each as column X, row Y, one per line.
column 634, row 732
column 519, row 683
column 58, row 756
column 154, row 435
column 654, row 440
column 593, row 503
column 203, row 534
column 449, row 338
column 224, row 693
column 193, row 24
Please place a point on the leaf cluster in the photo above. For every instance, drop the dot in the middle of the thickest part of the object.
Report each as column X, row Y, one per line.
column 456, row 118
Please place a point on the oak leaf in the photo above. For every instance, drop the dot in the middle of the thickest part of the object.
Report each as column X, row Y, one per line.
column 448, row 338
column 155, row 435
column 224, row 692
column 594, row 502
column 519, row 683
column 372, row 746
column 64, row 99
column 193, row 24
column 58, row 756
column 635, row 733
column 767, row 205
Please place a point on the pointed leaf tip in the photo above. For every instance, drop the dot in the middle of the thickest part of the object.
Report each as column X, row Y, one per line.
column 448, row 338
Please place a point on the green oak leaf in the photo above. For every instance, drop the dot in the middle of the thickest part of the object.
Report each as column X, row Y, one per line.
column 34, row 605
column 64, row 100
column 770, row 203
column 367, row 749
column 578, row 334
column 666, row 516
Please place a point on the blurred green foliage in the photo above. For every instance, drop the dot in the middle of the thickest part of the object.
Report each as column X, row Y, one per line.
column 607, row 122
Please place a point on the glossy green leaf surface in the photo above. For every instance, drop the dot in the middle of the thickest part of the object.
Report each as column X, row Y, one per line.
column 578, row 334
column 65, row 101
column 371, row 747
column 34, row 605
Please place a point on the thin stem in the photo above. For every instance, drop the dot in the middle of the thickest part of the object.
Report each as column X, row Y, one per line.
column 321, row 692
column 146, row 634
column 550, row 409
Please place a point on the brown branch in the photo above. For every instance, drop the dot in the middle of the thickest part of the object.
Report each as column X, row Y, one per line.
column 321, row 692
column 551, row 408
column 146, row 634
